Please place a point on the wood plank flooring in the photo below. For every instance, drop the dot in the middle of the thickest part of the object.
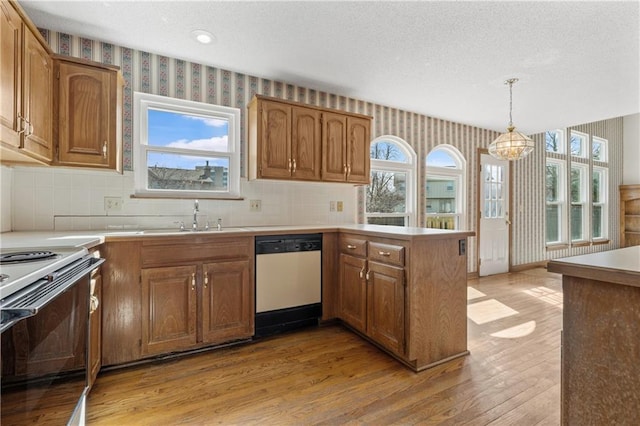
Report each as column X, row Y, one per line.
column 330, row 376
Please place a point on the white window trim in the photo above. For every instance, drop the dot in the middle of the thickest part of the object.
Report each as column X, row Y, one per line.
column 144, row 101
column 563, row 142
column 560, row 202
column 459, row 174
column 396, row 166
column 605, row 148
column 604, row 202
column 585, row 187
column 586, row 146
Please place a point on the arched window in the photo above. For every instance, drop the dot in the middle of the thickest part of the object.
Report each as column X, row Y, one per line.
column 390, row 195
column 445, row 188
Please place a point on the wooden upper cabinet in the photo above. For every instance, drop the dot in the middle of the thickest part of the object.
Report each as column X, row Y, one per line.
column 10, row 74
column 88, row 114
column 275, row 150
column 288, row 140
column 334, row 147
column 27, row 95
column 305, row 143
column 358, row 155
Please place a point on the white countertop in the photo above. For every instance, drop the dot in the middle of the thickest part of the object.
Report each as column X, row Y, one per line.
column 89, row 239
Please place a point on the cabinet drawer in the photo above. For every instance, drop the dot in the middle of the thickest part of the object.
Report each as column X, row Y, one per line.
column 386, row 253
column 353, row 246
column 189, row 252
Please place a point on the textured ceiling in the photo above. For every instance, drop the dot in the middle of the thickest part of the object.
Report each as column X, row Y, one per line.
column 577, row 61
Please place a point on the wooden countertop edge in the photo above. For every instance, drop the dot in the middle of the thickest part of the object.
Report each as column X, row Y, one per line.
column 597, row 273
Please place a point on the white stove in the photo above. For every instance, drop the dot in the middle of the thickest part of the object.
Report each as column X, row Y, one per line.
column 21, row 267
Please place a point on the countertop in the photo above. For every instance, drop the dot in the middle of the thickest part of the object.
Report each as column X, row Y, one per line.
column 621, row 266
column 89, row 239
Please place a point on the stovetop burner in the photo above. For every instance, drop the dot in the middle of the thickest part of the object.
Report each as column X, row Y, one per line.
column 26, row 256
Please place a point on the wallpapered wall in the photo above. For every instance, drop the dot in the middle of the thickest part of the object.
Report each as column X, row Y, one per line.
column 151, row 73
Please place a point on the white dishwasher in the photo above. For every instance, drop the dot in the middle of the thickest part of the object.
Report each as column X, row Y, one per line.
column 288, row 282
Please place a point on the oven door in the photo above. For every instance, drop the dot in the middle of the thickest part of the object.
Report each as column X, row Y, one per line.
column 44, row 358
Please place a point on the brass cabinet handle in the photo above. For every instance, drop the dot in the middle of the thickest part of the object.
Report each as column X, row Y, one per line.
column 193, row 281
column 206, row 279
column 104, row 149
column 362, row 272
column 289, row 166
column 294, row 165
column 344, row 168
column 93, row 304
column 348, row 169
column 351, row 247
column 21, row 124
column 367, row 275
column 384, row 253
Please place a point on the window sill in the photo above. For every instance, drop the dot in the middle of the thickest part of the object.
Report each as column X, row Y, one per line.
column 555, row 247
column 600, row 242
column 581, row 244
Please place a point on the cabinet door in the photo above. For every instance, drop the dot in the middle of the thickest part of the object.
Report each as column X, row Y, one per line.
column 37, row 98
column 306, row 143
column 334, row 147
column 10, row 51
column 353, row 292
column 385, row 310
column 168, row 309
column 358, row 155
column 95, row 328
column 86, row 115
column 275, row 144
column 227, row 301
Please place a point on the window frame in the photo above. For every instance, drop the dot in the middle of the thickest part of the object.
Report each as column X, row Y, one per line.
column 603, row 203
column 604, row 157
column 389, row 166
column 583, row 202
column 563, row 142
column 584, row 152
column 145, row 101
column 560, row 201
column 458, row 174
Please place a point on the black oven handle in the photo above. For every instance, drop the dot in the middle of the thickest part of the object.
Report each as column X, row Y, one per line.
column 27, row 303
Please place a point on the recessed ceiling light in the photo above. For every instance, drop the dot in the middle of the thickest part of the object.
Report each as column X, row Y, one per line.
column 202, row 36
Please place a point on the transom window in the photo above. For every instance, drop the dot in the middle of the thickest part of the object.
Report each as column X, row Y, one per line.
column 186, row 148
column 444, row 188
column 554, row 141
column 579, row 144
column 389, row 197
column 599, row 149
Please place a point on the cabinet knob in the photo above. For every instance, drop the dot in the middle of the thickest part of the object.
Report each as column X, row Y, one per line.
column 104, row 149
column 193, row 281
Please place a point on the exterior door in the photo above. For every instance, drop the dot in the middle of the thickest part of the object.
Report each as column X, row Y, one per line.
column 494, row 216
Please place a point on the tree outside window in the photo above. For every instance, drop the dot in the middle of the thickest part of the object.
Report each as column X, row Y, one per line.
column 389, row 195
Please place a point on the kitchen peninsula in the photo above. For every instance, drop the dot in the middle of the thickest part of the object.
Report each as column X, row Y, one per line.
column 401, row 288
column 601, row 337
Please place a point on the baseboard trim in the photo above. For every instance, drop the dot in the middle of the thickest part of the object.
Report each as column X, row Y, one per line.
column 527, row 266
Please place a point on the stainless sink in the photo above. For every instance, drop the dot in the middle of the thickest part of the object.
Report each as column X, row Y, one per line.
column 189, row 231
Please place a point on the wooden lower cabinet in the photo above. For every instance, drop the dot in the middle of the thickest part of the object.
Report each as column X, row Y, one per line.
column 168, row 309
column 406, row 296
column 176, row 294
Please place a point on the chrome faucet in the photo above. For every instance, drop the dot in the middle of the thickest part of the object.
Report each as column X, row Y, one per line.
column 196, row 209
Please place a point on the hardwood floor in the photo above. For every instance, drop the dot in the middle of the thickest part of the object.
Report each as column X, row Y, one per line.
column 331, row 376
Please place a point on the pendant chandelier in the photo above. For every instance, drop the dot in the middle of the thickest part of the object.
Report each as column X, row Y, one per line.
column 511, row 145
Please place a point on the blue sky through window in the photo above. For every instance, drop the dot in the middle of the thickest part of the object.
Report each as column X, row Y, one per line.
column 187, row 132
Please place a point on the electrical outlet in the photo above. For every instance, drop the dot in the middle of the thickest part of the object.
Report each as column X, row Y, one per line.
column 112, row 203
column 332, row 206
column 255, row 205
column 340, row 206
